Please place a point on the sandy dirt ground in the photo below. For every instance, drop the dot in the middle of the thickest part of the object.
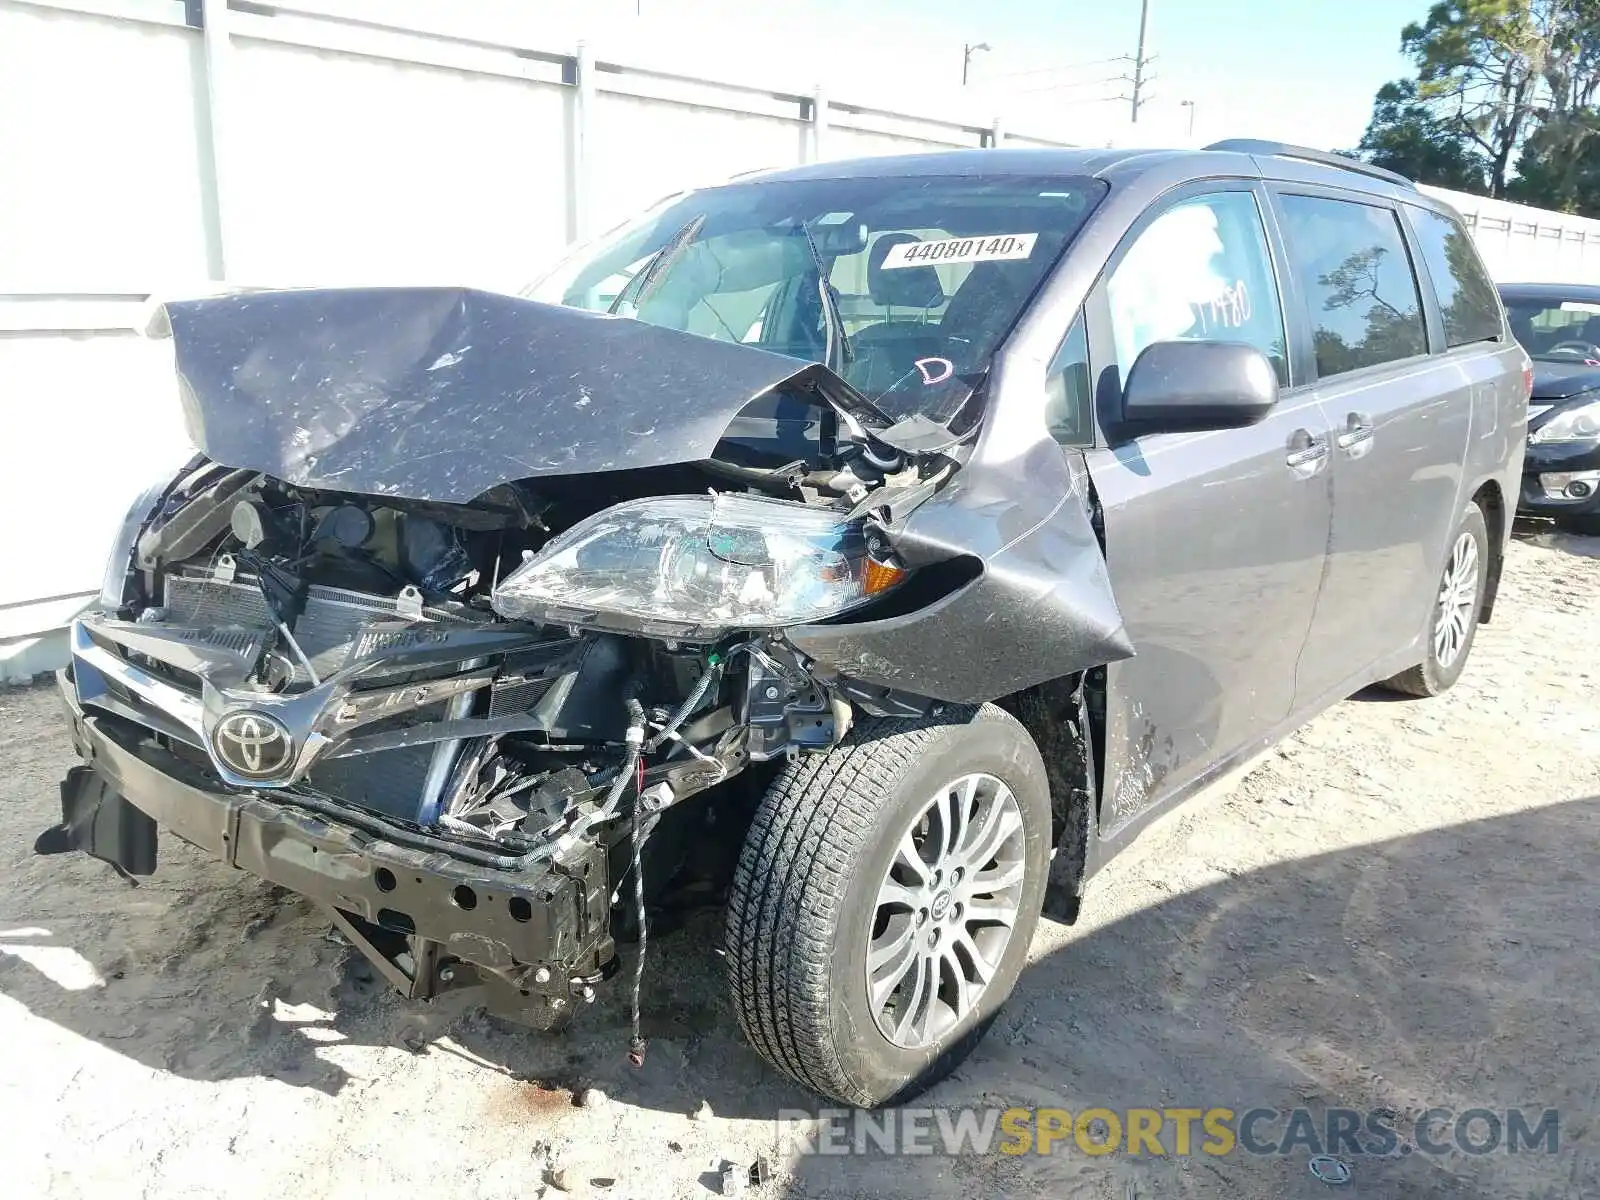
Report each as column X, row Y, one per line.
column 1396, row 909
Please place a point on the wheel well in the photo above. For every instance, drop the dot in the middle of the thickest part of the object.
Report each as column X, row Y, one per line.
column 1492, row 504
column 1058, row 718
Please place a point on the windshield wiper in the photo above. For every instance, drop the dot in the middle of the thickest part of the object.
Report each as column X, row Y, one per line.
column 832, row 321
column 656, row 270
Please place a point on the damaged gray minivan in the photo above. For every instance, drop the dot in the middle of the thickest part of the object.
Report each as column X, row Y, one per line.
column 918, row 527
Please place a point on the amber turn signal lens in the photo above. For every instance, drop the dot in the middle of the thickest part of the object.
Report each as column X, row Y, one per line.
column 879, row 577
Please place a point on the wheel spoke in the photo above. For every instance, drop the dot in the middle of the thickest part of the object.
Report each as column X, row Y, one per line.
column 954, row 812
column 909, row 856
column 887, row 966
column 1008, row 875
column 912, row 1020
column 897, row 894
column 989, row 912
column 1003, row 821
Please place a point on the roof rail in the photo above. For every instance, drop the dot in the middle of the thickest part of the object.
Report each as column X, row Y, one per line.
column 1325, row 157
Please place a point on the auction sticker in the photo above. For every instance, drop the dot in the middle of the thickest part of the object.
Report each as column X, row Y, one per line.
column 993, row 247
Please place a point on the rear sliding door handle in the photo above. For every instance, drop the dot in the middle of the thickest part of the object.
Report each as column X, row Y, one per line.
column 1357, row 435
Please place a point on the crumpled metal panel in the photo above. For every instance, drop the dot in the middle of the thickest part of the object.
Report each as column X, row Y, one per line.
column 442, row 393
column 1041, row 609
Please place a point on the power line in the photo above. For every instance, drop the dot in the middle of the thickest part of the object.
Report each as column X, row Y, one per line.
column 1074, row 66
column 1079, row 83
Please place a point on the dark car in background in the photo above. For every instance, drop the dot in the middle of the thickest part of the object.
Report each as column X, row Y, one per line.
column 915, row 529
column 1558, row 325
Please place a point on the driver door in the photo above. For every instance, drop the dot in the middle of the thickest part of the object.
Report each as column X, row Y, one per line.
column 1215, row 541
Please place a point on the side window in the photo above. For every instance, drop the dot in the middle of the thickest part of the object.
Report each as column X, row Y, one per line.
column 1199, row 271
column 1358, row 282
column 1467, row 299
column 1069, row 405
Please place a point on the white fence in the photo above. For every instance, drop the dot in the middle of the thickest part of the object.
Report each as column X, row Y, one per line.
column 153, row 146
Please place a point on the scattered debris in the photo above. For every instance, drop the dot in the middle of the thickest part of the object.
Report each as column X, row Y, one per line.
column 732, row 1180
column 703, row 1113
column 760, row 1172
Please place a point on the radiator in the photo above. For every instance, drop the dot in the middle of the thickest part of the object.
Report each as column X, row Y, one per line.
column 389, row 781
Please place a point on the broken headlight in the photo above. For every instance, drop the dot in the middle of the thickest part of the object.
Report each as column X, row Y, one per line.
column 698, row 566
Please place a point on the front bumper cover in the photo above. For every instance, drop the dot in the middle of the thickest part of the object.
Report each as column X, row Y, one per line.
column 1547, row 458
column 549, row 920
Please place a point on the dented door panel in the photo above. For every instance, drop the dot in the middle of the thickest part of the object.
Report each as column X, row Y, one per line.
column 1215, row 546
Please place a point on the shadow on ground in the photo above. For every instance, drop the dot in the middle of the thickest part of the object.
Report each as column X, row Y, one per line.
column 1544, row 533
column 1458, row 967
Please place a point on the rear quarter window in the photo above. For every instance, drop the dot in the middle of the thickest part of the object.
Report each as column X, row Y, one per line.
column 1467, row 297
column 1358, row 282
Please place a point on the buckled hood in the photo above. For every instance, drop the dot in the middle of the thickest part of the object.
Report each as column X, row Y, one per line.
column 442, row 393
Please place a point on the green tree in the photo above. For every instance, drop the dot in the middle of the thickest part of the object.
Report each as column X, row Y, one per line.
column 1405, row 135
column 1482, row 70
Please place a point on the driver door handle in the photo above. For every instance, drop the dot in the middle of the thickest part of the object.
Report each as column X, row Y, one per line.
column 1305, row 451
column 1358, row 433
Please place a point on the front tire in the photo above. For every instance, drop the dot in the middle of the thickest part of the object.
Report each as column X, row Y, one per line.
column 1453, row 620
column 884, row 901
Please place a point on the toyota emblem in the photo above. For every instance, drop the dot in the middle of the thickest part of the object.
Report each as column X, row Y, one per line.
column 253, row 744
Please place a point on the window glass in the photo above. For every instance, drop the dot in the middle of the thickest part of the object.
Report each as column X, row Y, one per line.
column 1555, row 329
column 1069, row 407
column 1466, row 297
column 1356, row 274
column 1199, row 272
column 926, row 276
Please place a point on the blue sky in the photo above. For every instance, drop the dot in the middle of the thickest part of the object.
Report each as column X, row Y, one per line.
column 1301, row 72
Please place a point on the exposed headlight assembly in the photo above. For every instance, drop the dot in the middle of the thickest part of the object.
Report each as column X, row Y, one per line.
column 698, row 567
column 1581, row 424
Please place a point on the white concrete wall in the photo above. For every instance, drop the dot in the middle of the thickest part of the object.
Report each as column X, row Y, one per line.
column 344, row 141
column 1520, row 244
column 336, row 141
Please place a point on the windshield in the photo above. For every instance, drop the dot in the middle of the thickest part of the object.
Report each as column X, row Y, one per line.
column 905, row 286
column 1555, row 330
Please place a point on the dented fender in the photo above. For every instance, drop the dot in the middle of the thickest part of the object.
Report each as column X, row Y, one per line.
column 1040, row 608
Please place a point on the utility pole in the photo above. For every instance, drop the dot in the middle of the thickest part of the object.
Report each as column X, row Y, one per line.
column 1139, row 59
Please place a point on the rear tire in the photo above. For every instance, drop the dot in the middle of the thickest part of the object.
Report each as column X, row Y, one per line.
column 1453, row 619
column 823, row 881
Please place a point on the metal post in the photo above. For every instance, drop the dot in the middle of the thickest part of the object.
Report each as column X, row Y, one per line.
column 997, row 132
column 214, row 34
column 967, row 51
column 583, row 104
column 819, row 124
column 1139, row 58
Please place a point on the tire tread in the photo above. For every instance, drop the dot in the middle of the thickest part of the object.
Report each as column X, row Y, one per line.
column 784, row 903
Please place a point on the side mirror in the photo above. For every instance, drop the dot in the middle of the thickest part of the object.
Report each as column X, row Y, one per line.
column 1177, row 386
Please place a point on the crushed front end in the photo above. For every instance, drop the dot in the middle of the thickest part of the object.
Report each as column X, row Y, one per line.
column 452, row 726
column 465, row 646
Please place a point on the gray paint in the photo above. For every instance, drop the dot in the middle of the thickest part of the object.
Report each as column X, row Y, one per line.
column 1256, row 573
column 442, row 393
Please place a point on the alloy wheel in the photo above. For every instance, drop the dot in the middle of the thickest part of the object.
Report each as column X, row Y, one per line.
column 1458, row 596
column 945, row 910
